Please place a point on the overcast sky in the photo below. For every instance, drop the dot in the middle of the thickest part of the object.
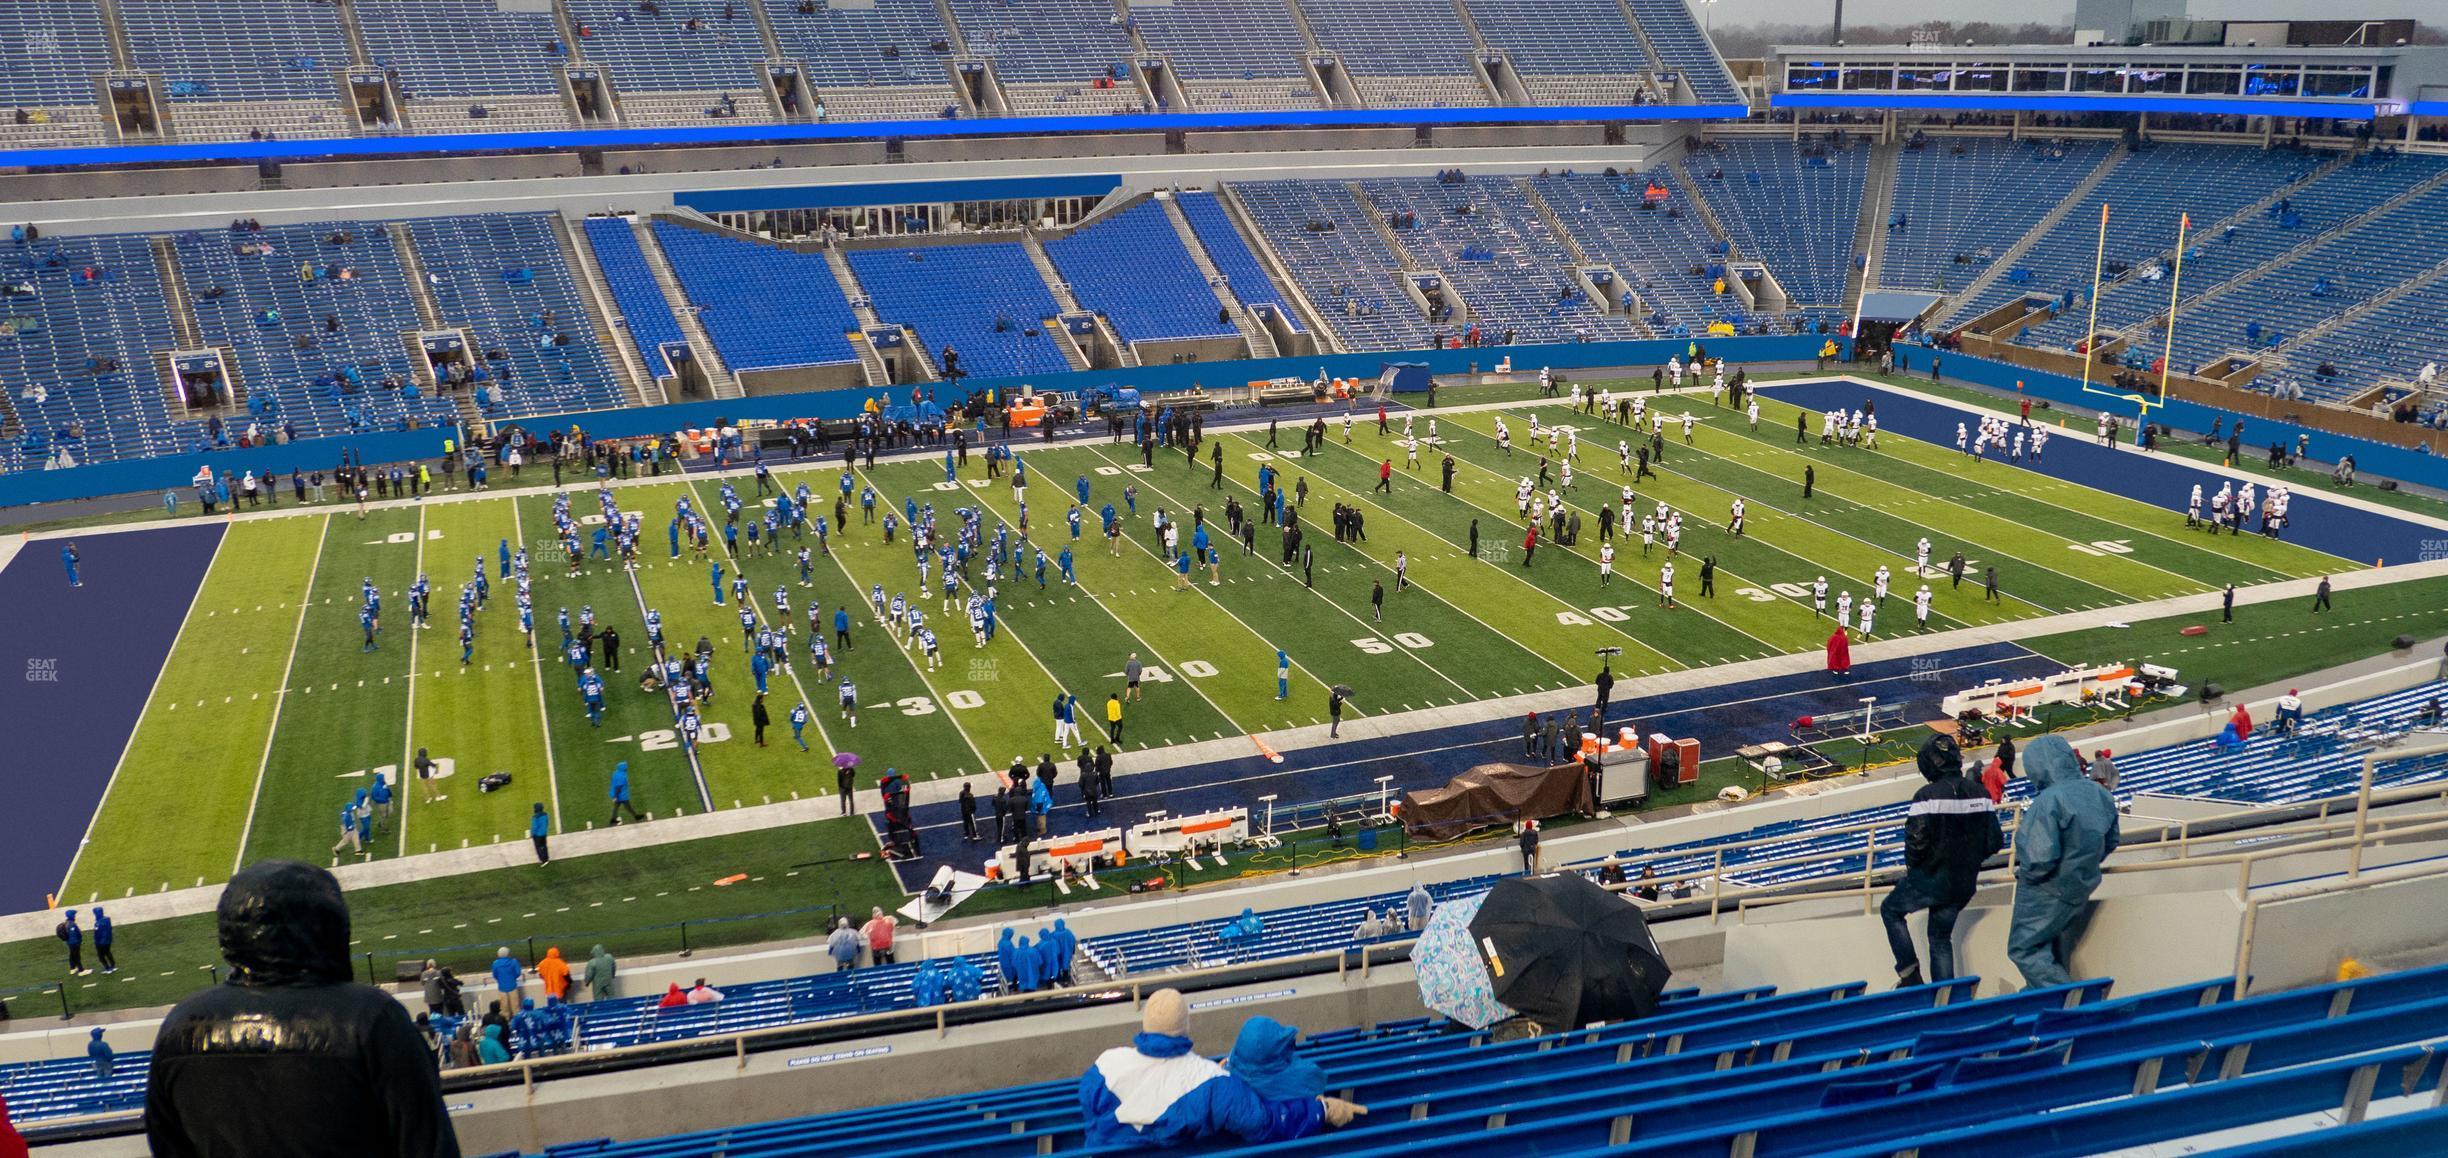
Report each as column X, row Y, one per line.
column 1894, row 11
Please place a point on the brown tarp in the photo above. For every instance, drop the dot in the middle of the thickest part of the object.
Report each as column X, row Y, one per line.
column 1496, row 794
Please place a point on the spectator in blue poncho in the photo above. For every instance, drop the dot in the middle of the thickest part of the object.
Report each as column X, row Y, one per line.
column 1007, row 960
column 1292, row 1087
column 1070, row 949
column 1158, row 1091
column 1050, row 962
column 1031, row 968
column 927, row 985
column 966, row 981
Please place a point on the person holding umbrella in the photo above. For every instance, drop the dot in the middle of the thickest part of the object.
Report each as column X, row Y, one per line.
column 1336, row 697
column 845, row 775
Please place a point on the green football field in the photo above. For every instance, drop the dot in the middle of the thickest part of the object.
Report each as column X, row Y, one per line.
column 269, row 716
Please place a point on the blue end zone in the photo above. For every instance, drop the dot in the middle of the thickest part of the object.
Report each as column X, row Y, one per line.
column 1722, row 717
column 2360, row 536
column 90, row 656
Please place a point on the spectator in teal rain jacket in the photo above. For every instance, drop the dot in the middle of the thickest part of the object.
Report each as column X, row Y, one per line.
column 2065, row 833
column 490, row 1050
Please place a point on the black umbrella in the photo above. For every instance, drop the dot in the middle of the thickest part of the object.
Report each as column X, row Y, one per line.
column 1566, row 953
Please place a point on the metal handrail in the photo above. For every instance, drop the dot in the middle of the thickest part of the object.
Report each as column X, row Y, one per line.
column 2375, row 832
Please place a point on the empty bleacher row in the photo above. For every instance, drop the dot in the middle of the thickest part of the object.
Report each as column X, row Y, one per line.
column 1231, row 54
column 2316, row 283
column 888, row 60
column 1791, row 206
column 763, row 306
column 83, row 322
column 1401, row 55
column 2069, row 1070
column 318, row 326
column 642, row 306
column 2145, row 193
column 1499, row 255
column 276, row 68
column 2329, row 206
column 1570, row 52
column 490, row 274
column 1230, row 252
column 1131, row 267
column 1343, row 267
column 2390, row 341
column 985, row 300
column 1054, row 57
column 1660, row 244
column 1960, row 203
column 626, row 1021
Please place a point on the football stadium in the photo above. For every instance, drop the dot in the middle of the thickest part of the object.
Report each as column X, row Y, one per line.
column 986, row 619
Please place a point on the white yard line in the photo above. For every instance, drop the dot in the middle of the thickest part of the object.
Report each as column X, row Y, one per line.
column 1627, row 573
column 949, row 712
column 1365, row 625
column 535, row 661
column 2191, row 583
column 1168, row 665
column 2216, row 469
column 280, row 698
column 1508, row 572
column 406, row 790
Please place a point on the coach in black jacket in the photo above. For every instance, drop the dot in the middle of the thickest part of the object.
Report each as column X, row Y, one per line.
column 1949, row 832
column 289, row 1058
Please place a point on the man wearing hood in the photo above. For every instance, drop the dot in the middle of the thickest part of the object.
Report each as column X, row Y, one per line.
column 1949, row 832
column 1068, row 949
column 1030, row 965
column 1158, row 1091
column 554, row 973
column 844, row 945
column 2066, row 831
column 492, row 1051
column 288, row 1029
column 1050, row 963
column 601, row 976
column 964, row 981
column 927, row 985
column 1264, row 1057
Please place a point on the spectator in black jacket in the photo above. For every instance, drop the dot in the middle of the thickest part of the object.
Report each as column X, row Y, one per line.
column 1951, row 829
column 289, row 1058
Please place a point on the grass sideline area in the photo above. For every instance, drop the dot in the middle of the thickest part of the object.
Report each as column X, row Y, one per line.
column 269, row 715
column 633, row 893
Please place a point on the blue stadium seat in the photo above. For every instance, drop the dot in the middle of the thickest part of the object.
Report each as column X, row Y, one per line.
column 1131, row 267
column 634, row 289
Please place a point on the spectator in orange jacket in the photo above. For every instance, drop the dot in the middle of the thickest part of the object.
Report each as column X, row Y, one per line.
column 555, row 973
